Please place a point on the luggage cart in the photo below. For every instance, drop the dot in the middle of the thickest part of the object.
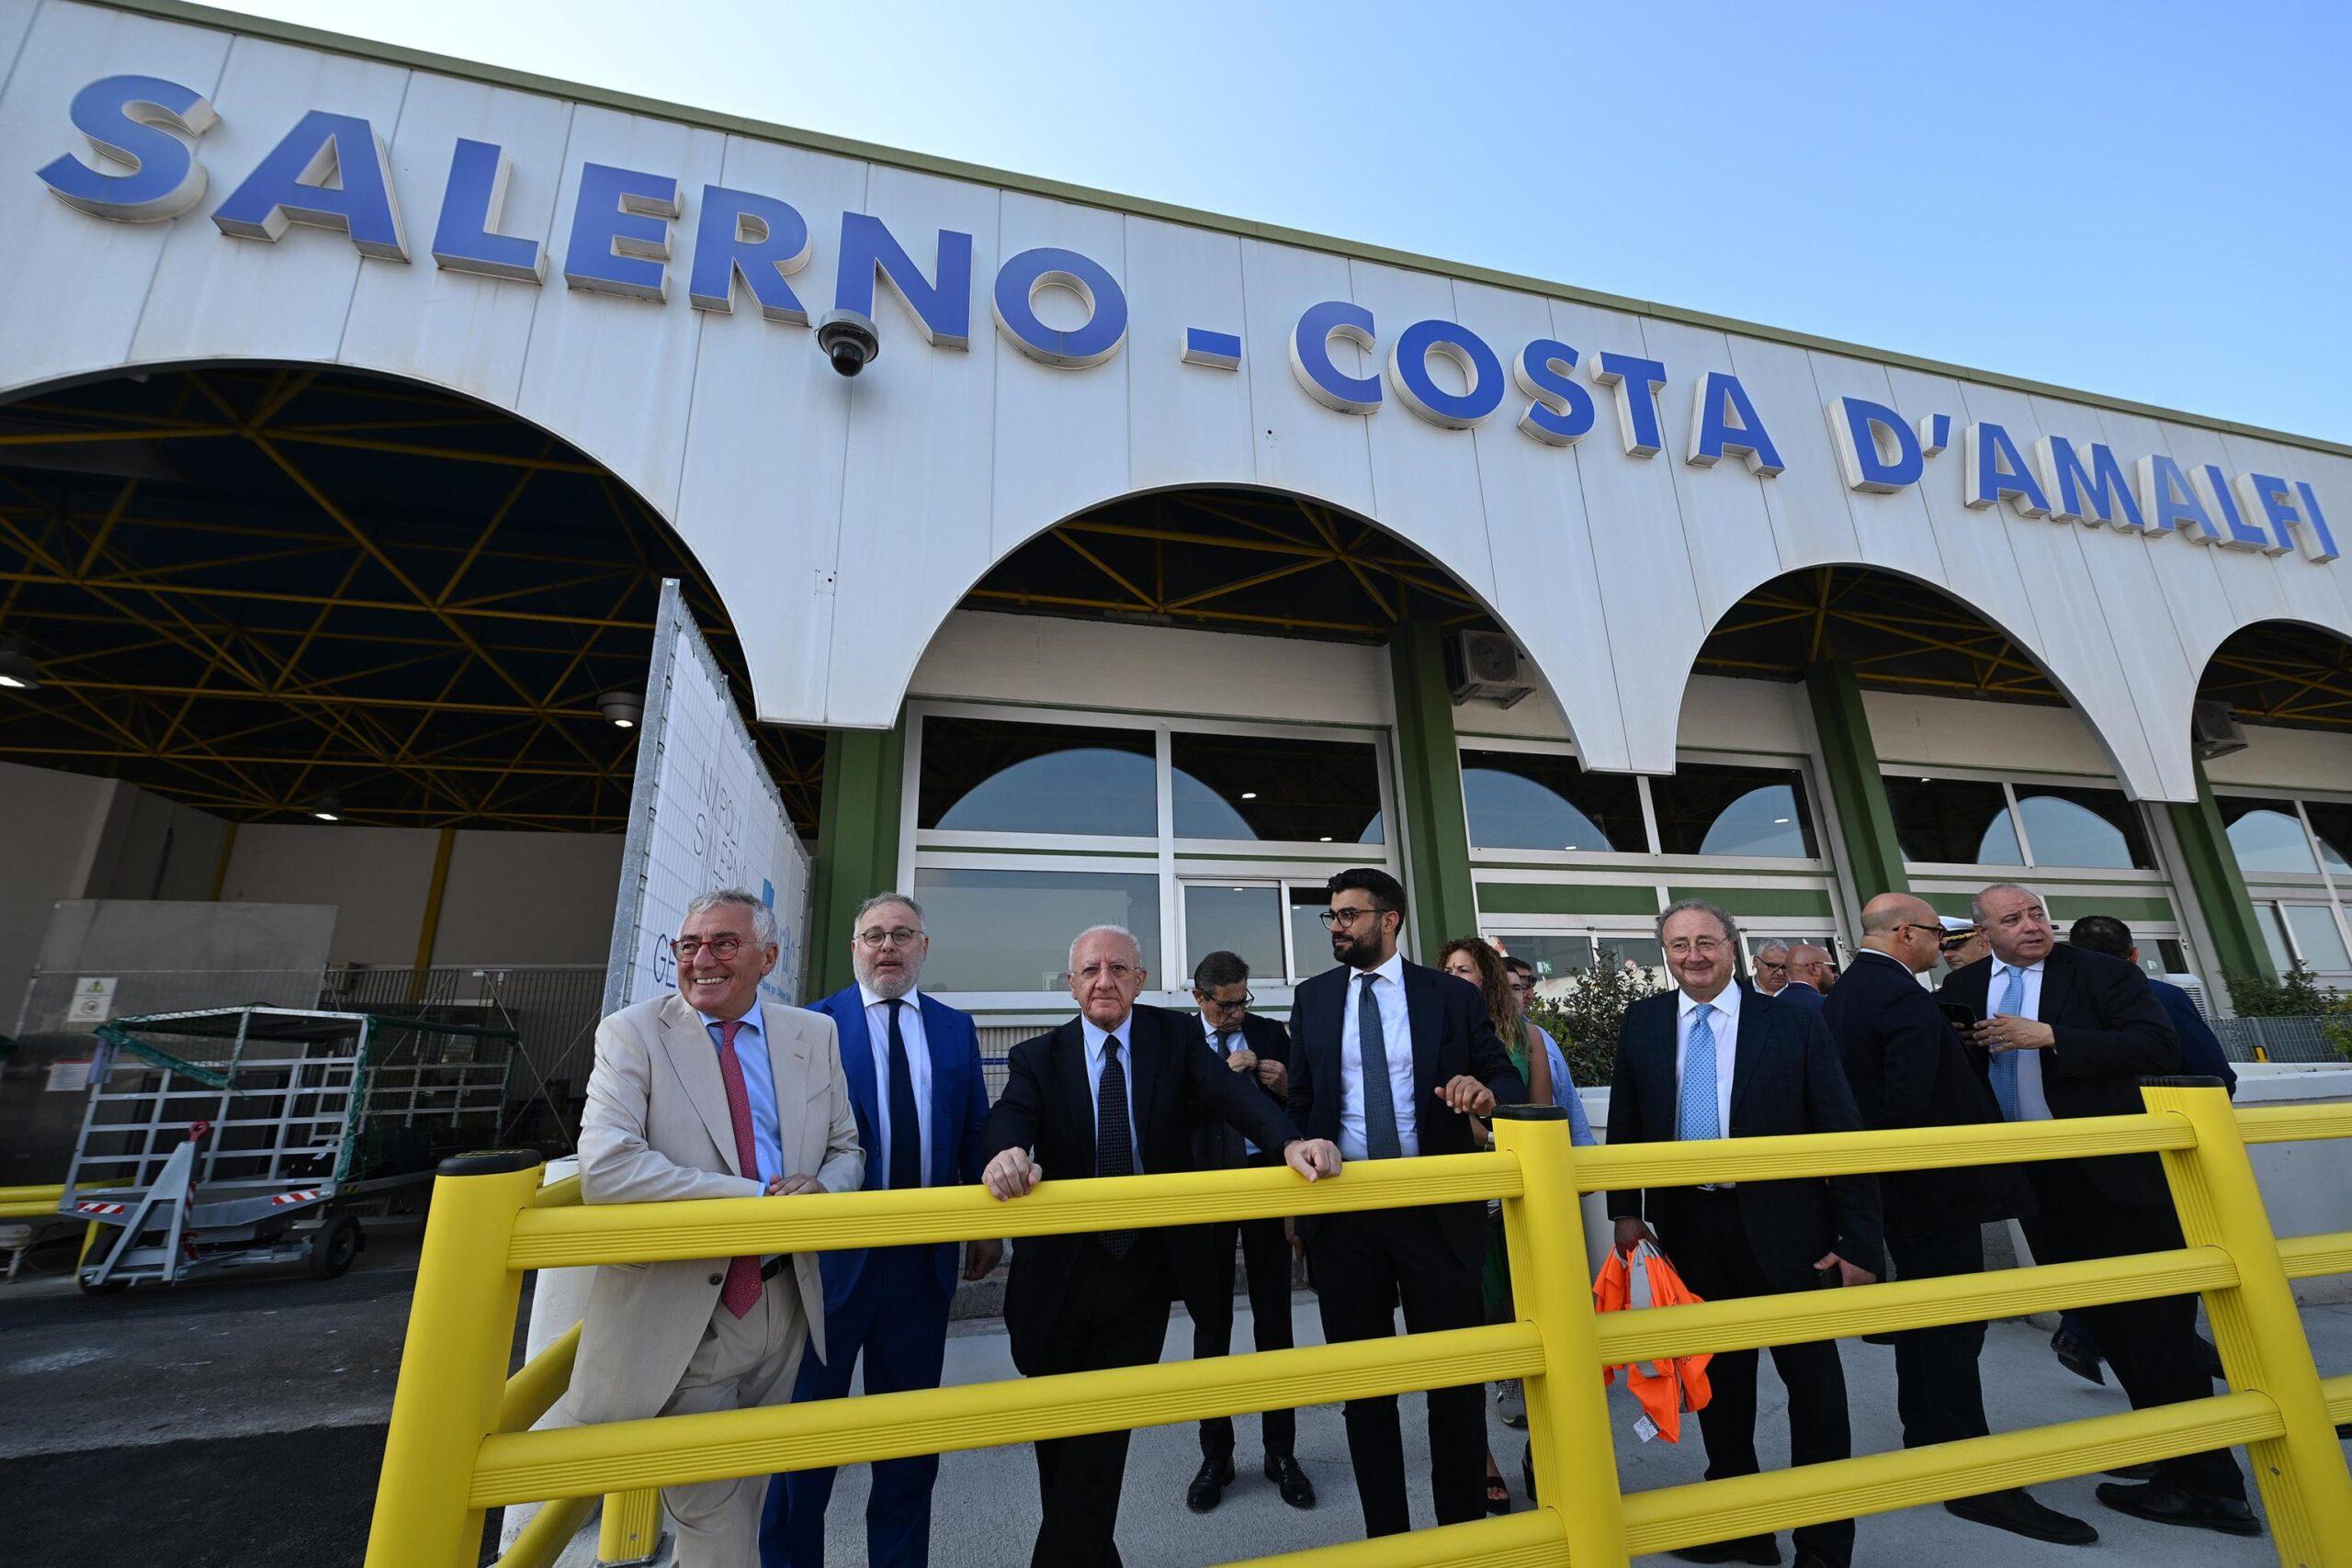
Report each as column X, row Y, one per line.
column 230, row 1137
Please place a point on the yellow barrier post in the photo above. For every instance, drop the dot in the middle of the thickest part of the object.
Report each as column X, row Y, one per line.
column 632, row 1529
column 453, row 1364
column 2305, row 1488
column 1573, row 1455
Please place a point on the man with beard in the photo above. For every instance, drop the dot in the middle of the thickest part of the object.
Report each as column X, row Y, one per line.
column 1118, row 1090
column 2071, row 1033
column 1391, row 1060
column 913, row 1065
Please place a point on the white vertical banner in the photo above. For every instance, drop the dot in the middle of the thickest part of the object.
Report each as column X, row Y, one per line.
column 703, row 815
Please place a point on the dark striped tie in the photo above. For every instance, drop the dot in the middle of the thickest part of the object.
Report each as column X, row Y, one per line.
column 1114, row 1150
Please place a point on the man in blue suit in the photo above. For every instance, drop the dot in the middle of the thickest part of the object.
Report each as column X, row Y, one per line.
column 913, row 1065
column 1808, row 972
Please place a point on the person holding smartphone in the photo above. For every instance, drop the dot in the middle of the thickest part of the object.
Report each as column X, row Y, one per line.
column 1909, row 1068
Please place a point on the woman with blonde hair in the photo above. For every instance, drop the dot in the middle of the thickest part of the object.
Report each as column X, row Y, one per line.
column 1473, row 959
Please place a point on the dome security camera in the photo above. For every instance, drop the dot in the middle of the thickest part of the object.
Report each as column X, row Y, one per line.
column 848, row 339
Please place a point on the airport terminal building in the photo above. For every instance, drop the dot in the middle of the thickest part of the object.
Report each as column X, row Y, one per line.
column 353, row 405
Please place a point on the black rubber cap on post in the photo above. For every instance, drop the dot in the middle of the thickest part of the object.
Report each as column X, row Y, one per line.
column 489, row 1162
column 1530, row 1113
column 2183, row 1081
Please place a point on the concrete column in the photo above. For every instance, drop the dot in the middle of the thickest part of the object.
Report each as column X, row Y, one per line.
column 857, row 840
column 1849, row 767
column 1428, row 775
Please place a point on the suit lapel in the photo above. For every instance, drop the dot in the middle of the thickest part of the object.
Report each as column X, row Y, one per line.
column 1747, row 1041
column 1422, row 1007
column 2057, row 983
column 1069, row 1065
column 1147, row 1047
column 696, row 1061
column 857, row 1057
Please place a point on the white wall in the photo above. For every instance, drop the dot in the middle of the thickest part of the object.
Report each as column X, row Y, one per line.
column 979, row 655
column 52, row 823
column 529, row 899
column 1957, row 732
column 377, row 877
column 2286, row 759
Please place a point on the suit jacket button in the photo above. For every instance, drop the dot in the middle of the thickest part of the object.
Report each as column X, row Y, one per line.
column 715, row 1279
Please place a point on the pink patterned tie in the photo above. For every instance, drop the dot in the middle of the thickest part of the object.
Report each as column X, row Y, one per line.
column 742, row 1287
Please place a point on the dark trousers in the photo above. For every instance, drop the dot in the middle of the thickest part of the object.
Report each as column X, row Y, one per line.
column 1364, row 1264
column 1936, row 1388
column 896, row 1317
column 1114, row 1315
column 2152, row 1345
column 1203, row 1259
column 1708, row 1247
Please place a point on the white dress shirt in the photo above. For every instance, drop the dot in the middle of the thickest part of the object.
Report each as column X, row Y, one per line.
column 878, row 1034
column 1396, row 1044
column 2032, row 1104
column 1724, row 1025
column 1094, row 1039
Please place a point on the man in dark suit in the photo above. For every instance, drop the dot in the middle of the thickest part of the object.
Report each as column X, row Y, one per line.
column 1710, row 1059
column 2200, row 1057
column 913, row 1065
column 1115, row 1091
column 1390, row 1060
column 1258, row 1049
column 1908, row 1069
column 1808, row 977
column 2072, row 1033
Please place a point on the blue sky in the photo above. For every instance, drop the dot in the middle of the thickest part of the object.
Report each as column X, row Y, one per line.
column 2144, row 200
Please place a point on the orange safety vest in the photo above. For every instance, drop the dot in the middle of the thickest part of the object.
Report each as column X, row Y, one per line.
column 1665, row 1389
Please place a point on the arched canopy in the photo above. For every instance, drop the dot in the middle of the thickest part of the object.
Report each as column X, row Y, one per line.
column 253, row 587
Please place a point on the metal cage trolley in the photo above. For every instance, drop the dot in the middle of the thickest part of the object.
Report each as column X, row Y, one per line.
column 230, row 1137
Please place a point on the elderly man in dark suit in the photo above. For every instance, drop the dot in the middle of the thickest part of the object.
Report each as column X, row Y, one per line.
column 1115, row 1091
column 1258, row 1048
column 1391, row 1060
column 1908, row 1069
column 2071, row 1033
column 1710, row 1059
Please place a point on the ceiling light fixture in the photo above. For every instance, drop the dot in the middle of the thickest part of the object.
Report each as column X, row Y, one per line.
column 328, row 808
column 18, row 671
column 624, row 709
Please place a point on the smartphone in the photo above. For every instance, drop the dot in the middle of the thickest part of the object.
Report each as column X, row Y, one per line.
column 1960, row 1015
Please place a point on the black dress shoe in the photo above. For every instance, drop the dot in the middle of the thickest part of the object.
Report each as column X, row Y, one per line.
column 1761, row 1550
column 2078, row 1356
column 2211, row 1359
column 1208, row 1486
column 1289, row 1479
column 2170, row 1506
column 2016, row 1511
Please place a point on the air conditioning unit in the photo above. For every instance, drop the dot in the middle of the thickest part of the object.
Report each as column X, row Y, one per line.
column 2194, row 986
column 2213, row 732
column 1487, row 664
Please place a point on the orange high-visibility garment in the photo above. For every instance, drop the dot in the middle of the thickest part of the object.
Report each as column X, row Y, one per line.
column 1666, row 1387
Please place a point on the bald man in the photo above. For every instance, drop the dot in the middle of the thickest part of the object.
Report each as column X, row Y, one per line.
column 1909, row 1069
column 1808, row 973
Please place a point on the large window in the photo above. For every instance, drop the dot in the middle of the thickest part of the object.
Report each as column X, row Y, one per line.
column 2267, row 836
column 1255, row 787
column 982, row 776
column 1543, row 801
column 1010, row 930
column 2019, row 822
column 2292, row 854
column 1024, row 829
column 1707, row 808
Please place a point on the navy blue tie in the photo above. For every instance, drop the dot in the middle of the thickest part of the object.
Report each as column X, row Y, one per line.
column 906, row 1125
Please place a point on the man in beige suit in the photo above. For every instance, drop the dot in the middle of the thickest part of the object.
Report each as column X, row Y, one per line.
column 710, row 1093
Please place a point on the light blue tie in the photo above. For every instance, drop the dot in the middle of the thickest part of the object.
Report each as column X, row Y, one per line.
column 2005, row 1063
column 1698, row 1118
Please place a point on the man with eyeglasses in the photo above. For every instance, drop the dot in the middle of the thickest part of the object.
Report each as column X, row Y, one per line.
column 710, row 1092
column 1910, row 1068
column 1258, row 1050
column 2071, row 1033
column 1709, row 1060
column 1116, row 1091
column 1771, row 968
column 1391, row 1060
column 913, row 1065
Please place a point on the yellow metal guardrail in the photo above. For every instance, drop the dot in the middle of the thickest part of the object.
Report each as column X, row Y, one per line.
column 458, row 1443
column 31, row 1203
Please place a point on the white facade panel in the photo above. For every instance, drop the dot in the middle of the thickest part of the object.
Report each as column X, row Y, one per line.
column 844, row 520
column 1952, row 733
